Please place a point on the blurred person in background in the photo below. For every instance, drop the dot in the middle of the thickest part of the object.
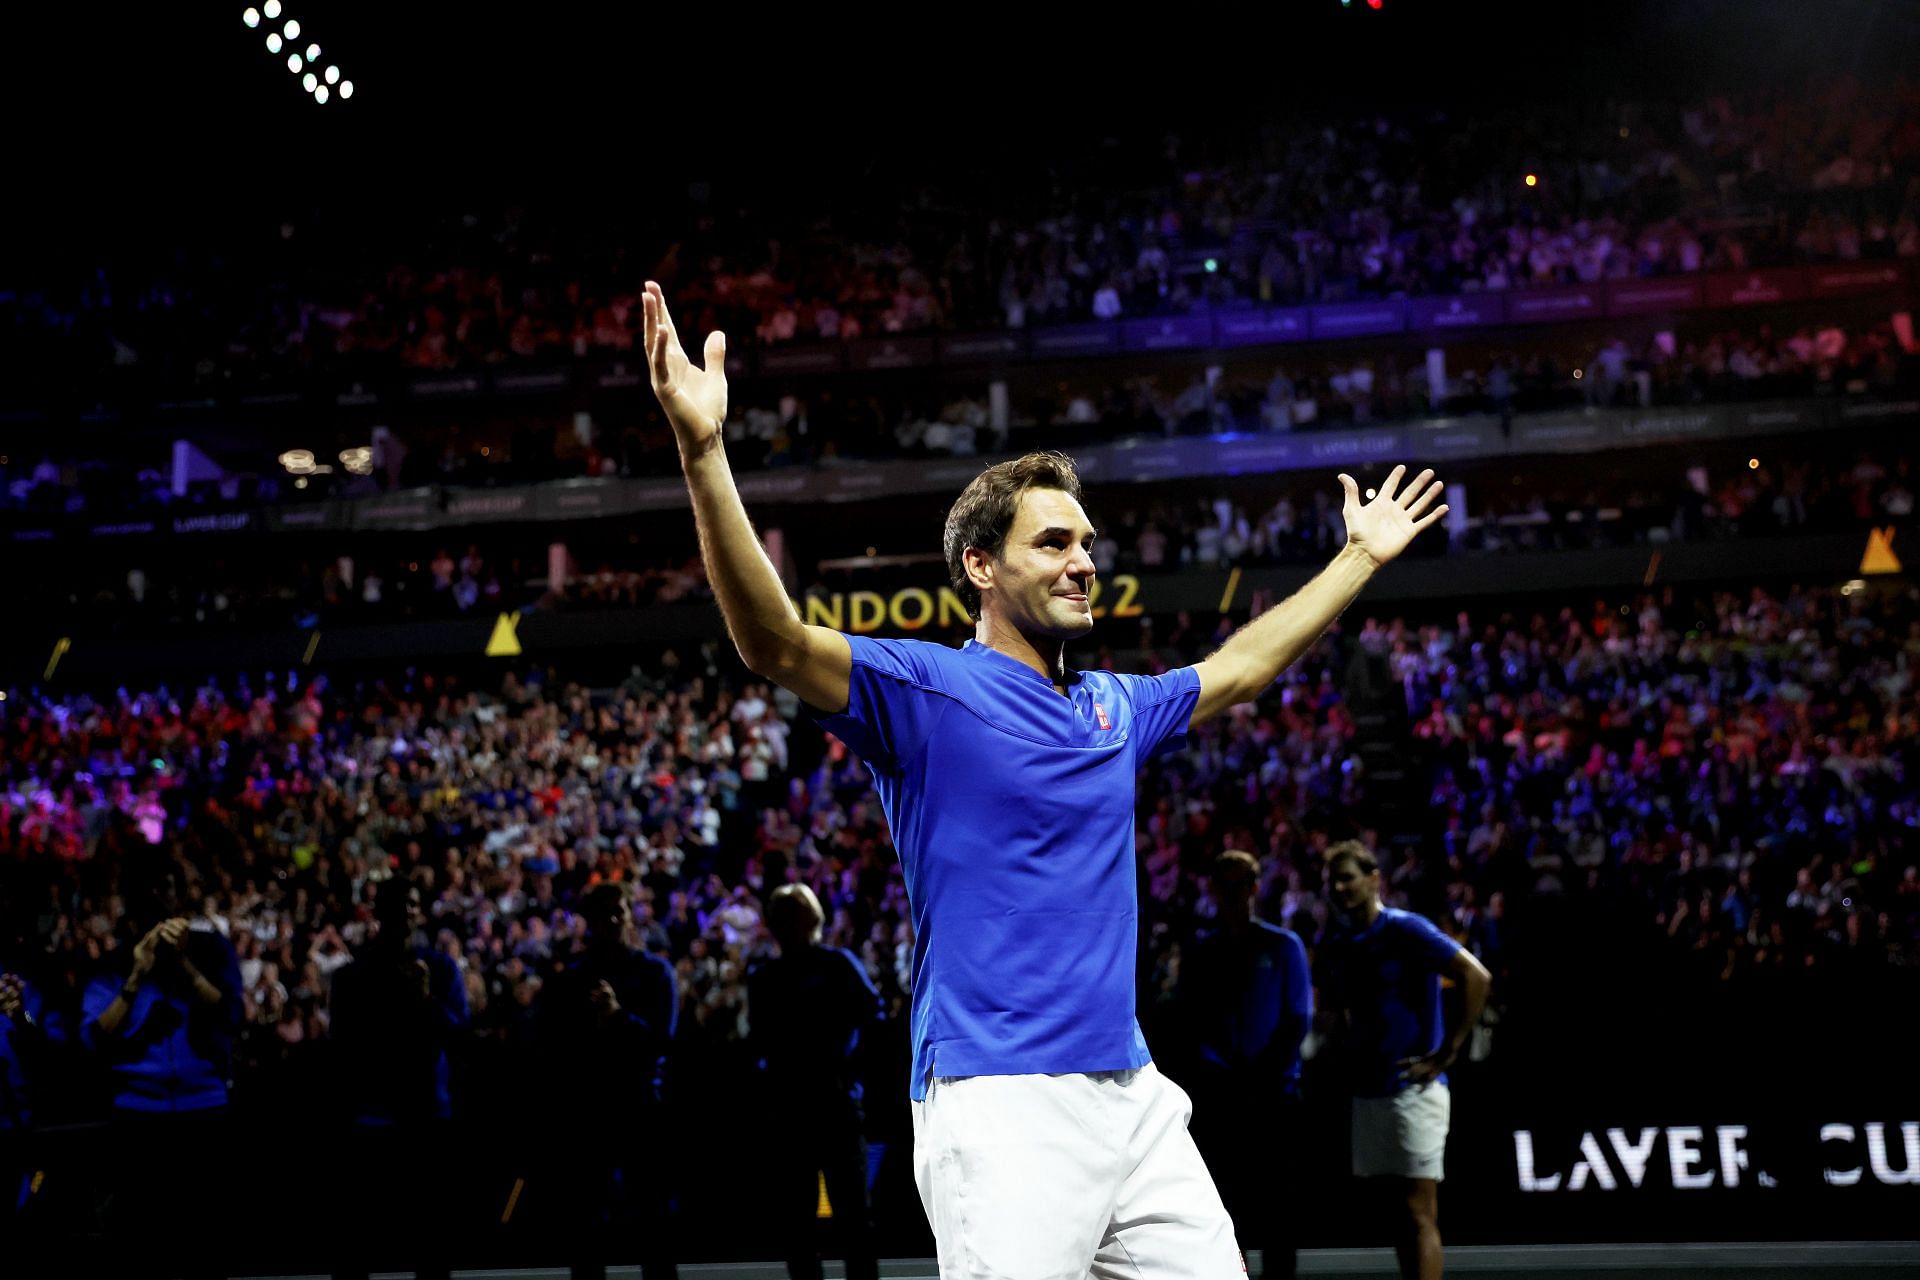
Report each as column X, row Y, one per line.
column 1246, row 999
column 607, row 1020
column 162, row 1016
column 30, row 1031
column 398, row 1008
column 810, row 1009
column 1379, row 974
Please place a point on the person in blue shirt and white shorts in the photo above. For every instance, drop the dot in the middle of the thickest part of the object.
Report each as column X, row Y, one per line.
column 1379, row 971
column 1047, row 1146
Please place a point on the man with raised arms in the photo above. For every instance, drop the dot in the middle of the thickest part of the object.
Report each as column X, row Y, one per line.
column 1047, row 1146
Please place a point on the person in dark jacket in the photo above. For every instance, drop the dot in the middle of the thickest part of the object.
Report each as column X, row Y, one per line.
column 398, row 1009
column 807, row 1010
column 30, row 1031
column 1246, row 994
column 163, row 1021
column 604, row 1023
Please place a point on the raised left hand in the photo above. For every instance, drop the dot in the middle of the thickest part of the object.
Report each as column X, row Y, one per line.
column 1383, row 527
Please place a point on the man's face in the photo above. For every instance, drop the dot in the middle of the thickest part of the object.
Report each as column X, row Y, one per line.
column 1352, row 889
column 608, row 920
column 1042, row 580
column 1233, row 891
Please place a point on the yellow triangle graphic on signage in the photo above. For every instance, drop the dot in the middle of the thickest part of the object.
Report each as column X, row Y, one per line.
column 825, row 1208
column 504, row 643
column 1880, row 557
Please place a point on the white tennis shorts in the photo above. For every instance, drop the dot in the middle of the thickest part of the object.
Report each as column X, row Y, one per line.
column 1404, row 1136
column 1068, row 1177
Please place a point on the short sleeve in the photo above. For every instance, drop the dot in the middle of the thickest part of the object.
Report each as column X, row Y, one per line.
column 1299, row 987
column 895, row 696
column 1162, row 709
column 1432, row 942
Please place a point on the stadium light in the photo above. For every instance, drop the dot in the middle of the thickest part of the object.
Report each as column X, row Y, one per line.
column 302, row 62
column 1533, row 180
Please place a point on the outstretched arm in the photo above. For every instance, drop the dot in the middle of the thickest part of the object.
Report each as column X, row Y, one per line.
column 1257, row 653
column 814, row 662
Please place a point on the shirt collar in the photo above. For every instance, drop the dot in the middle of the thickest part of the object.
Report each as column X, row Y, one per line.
column 1014, row 664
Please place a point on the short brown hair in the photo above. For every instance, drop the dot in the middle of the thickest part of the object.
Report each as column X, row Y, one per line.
column 982, row 516
column 1351, row 851
column 795, row 904
column 1230, row 860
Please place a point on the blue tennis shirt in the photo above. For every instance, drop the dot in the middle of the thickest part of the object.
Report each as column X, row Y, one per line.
column 1387, row 976
column 1012, row 808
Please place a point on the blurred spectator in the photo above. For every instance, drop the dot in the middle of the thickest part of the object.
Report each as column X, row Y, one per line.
column 609, row 1016
column 163, row 1023
column 397, row 1009
column 1247, row 1001
column 809, row 1007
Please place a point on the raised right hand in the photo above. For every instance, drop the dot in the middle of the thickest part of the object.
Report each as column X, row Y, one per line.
column 146, row 950
column 695, row 400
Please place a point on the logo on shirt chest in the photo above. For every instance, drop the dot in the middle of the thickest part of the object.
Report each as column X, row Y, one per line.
column 1100, row 714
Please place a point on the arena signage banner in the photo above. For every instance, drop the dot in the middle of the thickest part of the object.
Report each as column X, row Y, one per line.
column 1360, row 319
column 1701, row 1157
column 496, row 504
column 1256, row 328
column 1852, row 277
column 1578, row 303
column 890, row 353
column 983, row 347
column 221, row 522
column 1169, row 333
column 822, row 358
column 1785, row 284
column 918, row 608
column 532, row 380
column 1635, row 297
column 442, row 388
column 1075, row 340
column 404, row 509
column 1462, row 311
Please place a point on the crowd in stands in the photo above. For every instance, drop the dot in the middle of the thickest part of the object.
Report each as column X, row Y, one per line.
column 1743, row 769
column 1726, row 777
column 1317, row 209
